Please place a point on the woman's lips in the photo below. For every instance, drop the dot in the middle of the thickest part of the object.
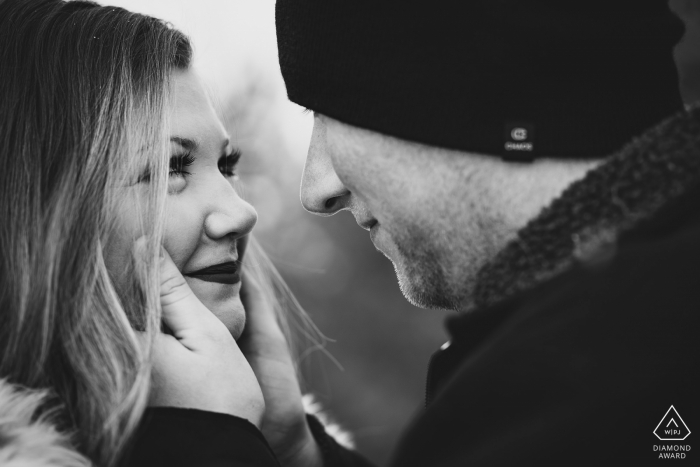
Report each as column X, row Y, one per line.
column 223, row 273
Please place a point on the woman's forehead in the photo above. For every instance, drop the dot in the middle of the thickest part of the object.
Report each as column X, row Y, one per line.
column 193, row 119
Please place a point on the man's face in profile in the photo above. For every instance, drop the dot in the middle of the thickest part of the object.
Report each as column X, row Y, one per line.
column 426, row 209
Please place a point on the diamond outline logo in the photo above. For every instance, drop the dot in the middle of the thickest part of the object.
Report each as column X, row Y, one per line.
column 674, row 421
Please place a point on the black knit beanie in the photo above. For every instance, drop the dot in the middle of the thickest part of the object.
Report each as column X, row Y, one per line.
column 514, row 78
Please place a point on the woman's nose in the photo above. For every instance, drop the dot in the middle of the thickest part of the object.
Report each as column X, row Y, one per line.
column 229, row 216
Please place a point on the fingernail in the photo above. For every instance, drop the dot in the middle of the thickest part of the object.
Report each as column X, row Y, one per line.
column 140, row 247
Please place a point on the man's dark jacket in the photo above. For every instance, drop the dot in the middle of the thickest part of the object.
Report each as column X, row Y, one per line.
column 585, row 335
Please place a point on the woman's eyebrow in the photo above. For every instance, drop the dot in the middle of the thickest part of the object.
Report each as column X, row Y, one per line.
column 186, row 143
column 191, row 145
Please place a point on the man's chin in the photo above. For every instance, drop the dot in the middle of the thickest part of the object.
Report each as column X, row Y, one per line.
column 421, row 276
column 424, row 290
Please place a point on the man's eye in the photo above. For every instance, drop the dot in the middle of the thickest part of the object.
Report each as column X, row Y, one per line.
column 227, row 164
column 179, row 163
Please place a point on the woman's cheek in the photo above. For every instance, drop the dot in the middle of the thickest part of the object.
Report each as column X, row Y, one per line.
column 183, row 229
column 128, row 227
column 176, row 184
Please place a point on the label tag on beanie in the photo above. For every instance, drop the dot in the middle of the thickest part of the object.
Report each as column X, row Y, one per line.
column 519, row 141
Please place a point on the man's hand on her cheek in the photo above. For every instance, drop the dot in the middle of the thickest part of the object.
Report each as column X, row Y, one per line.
column 200, row 365
column 264, row 345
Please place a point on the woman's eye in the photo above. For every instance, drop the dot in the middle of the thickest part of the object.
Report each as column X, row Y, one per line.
column 228, row 163
column 179, row 164
column 178, row 168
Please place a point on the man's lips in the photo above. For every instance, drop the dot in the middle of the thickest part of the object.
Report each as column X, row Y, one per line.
column 223, row 273
column 368, row 224
column 373, row 233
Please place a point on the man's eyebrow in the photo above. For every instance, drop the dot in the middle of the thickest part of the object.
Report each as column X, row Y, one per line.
column 186, row 143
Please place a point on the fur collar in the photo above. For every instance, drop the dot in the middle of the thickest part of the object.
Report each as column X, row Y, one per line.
column 27, row 439
column 585, row 221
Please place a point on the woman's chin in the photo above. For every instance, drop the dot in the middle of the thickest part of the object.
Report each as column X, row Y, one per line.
column 224, row 301
column 232, row 314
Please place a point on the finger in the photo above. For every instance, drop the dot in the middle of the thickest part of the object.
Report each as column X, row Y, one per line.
column 138, row 253
column 262, row 332
column 257, row 303
column 144, row 341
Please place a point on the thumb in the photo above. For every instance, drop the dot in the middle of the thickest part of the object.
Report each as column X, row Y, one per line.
column 182, row 311
column 262, row 336
column 260, row 314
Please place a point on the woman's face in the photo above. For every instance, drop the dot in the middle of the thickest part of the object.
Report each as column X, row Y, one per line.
column 207, row 223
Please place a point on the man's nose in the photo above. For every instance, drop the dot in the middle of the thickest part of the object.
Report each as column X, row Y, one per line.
column 322, row 192
column 229, row 215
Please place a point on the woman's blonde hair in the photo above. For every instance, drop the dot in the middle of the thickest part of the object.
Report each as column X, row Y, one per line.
column 83, row 93
column 83, row 96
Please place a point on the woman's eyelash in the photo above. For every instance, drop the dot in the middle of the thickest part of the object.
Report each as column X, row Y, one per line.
column 179, row 163
column 228, row 163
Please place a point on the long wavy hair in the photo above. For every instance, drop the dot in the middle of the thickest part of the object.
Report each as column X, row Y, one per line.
column 83, row 95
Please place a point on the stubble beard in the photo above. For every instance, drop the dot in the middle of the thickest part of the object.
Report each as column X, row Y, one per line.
column 425, row 286
column 423, row 277
column 439, row 274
